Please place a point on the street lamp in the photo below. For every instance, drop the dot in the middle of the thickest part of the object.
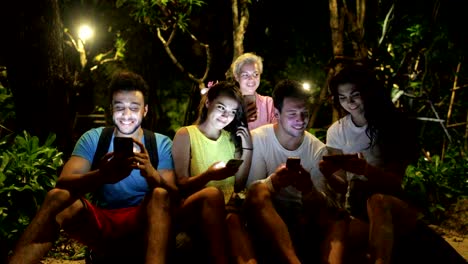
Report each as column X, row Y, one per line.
column 85, row 32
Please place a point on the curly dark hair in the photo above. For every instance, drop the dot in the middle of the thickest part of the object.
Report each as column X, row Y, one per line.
column 125, row 80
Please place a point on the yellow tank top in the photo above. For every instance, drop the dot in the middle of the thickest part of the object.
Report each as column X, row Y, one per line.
column 205, row 152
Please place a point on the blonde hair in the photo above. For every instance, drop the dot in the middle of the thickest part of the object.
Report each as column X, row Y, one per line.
column 246, row 58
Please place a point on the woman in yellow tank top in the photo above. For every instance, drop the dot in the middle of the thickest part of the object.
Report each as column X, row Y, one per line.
column 201, row 153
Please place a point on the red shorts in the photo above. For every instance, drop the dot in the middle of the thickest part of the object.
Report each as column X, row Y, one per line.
column 103, row 229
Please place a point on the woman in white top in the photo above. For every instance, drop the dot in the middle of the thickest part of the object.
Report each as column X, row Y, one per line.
column 378, row 144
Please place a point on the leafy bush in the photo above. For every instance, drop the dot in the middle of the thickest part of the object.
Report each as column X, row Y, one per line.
column 435, row 184
column 27, row 172
column 6, row 109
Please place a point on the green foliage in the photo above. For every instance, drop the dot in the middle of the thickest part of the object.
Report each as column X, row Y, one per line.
column 120, row 50
column 161, row 13
column 435, row 184
column 7, row 106
column 27, row 171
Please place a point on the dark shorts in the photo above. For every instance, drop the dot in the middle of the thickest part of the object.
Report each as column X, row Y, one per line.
column 290, row 212
column 111, row 230
column 305, row 232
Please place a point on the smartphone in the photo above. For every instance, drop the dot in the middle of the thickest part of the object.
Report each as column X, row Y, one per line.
column 339, row 157
column 250, row 103
column 234, row 163
column 334, row 151
column 293, row 163
column 249, row 100
column 123, row 146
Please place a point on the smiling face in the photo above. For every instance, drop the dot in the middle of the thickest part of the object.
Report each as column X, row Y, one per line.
column 221, row 111
column 294, row 117
column 248, row 78
column 128, row 111
column 350, row 99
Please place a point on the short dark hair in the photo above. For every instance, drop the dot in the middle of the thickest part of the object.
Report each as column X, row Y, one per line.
column 125, row 80
column 289, row 88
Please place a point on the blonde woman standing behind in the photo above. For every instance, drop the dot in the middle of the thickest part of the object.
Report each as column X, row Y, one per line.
column 246, row 70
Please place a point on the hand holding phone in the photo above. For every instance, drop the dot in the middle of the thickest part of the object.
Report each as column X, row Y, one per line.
column 301, row 179
column 251, row 107
column 220, row 170
column 354, row 163
column 234, row 163
column 334, row 151
column 340, row 157
column 293, row 163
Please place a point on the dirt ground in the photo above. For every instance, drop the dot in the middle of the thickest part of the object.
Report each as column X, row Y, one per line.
column 459, row 242
column 454, row 230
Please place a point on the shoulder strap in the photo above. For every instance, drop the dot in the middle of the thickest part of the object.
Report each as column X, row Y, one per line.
column 103, row 145
column 151, row 146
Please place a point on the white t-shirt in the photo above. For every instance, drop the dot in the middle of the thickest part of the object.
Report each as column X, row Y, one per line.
column 268, row 154
column 345, row 135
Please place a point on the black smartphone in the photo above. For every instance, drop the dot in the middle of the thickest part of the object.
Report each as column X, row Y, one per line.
column 334, row 151
column 123, row 146
column 234, row 163
column 339, row 157
column 293, row 163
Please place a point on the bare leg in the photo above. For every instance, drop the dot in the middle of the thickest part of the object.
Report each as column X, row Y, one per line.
column 241, row 246
column 381, row 229
column 43, row 230
column 332, row 222
column 388, row 217
column 158, row 226
column 207, row 205
column 264, row 217
column 334, row 243
column 357, row 243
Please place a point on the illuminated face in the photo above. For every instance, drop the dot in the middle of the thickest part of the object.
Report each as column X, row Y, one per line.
column 221, row 111
column 294, row 117
column 248, row 78
column 350, row 99
column 128, row 111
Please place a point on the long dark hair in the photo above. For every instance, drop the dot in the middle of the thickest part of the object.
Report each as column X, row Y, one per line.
column 387, row 126
column 229, row 89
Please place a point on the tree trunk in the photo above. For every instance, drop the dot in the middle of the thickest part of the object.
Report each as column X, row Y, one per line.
column 36, row 71
column 240, row 21
column 354, row 30
column 337, row 36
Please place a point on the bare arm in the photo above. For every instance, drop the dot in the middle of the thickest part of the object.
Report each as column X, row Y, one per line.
column 247, row 148
column 389, row 178
column 77, row 177
column 380, row 179
column 154, row 177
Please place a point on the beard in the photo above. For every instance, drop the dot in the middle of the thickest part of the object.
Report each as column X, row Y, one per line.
column 127, row 130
